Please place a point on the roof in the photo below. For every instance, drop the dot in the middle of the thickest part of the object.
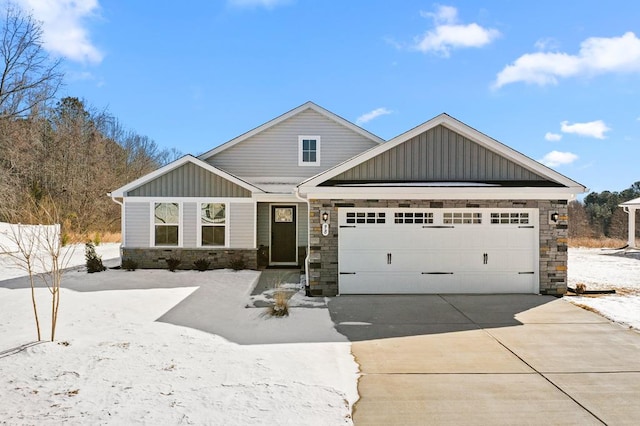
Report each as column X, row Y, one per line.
column 461, row 128
column 631, row 203
column 281, row 118
column 120, row 192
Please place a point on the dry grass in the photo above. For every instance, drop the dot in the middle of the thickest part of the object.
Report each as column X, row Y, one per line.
column 602, row 242
column 280, row 306
column 96, row 237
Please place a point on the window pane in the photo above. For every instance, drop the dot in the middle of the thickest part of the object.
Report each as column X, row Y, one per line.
column 166, row 235
column 312, row 157
column 167, row 213
column 305, row 157
column 213, row 213
column 213, row 235
column 312, row 145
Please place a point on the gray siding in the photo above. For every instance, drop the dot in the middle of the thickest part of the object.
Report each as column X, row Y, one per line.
column 189, row 180
column 241, row 225
column 189, row 224
column 263, row 225
column 137, row 225
column 264, row 217
column 439, row 154
column 274, row 152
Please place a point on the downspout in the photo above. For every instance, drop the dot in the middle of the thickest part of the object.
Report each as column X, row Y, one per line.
column 121, row 220
column 296, row 192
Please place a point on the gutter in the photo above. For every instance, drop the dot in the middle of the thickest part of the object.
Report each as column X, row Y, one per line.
column 296, row 192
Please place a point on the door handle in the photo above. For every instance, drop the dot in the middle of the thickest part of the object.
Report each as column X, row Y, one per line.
column 485, row 258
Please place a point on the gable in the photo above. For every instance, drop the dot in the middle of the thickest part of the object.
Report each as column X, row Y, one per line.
column 274, row 150
column 189, row 180
column 439, row 154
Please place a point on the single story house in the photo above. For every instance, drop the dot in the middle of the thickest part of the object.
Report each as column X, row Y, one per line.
column 442, row 208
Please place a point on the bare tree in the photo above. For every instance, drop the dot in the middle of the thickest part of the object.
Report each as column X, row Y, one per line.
column 29, row 78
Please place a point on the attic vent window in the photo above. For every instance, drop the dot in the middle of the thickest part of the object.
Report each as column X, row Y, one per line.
column 308, row 150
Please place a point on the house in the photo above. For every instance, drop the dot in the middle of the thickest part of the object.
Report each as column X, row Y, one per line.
column 441, row 208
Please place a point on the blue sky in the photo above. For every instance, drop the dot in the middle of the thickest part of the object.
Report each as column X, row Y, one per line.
column 557, row 81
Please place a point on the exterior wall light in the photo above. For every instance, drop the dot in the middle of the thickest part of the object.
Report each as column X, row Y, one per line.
column 324, row 216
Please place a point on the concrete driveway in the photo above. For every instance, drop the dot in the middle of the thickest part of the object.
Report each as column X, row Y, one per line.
column 488, row 359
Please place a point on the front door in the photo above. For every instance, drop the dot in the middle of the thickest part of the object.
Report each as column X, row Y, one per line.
column 284, row 244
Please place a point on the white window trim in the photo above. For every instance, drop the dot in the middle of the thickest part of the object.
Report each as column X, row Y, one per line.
column 199, row 224
column 318, row 149
column 152, row 228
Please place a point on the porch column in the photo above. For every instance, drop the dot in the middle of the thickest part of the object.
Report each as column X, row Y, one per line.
column 632, row 226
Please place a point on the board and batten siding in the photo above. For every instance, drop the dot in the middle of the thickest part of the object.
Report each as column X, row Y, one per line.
column 137, row 224
column 242, row 225
column 189, row 180
column 189, row 224
column 274, row 151
column 438, row 155
column 264, row 218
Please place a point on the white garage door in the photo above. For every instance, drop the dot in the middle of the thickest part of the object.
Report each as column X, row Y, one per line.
column 401, row 250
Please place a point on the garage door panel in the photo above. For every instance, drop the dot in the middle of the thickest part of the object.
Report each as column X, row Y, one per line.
column 398, row 283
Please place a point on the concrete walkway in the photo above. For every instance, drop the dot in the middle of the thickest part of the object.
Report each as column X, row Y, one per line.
column 499, row 359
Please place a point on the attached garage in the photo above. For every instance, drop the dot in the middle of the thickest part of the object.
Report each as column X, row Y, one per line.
column 441, row 208
column 401, row 250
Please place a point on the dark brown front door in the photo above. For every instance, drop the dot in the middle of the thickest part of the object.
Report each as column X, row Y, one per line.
column 283, row 235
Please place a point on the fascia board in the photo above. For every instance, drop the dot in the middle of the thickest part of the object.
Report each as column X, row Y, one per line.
column 413, row 193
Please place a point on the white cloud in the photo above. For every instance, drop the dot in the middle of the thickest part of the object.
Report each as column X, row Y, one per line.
column 268, row 4
column 552, row 137
column 63, row 27
column 597, row 55
column 448, row 34
column 365, row 118
column 557, row 158
column 593, row 129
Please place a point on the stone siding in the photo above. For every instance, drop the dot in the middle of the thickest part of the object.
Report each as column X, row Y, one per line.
column 323, row 253
column 155, row 258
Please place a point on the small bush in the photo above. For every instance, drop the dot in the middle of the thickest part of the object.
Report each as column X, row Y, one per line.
column 65, row 239
column 280, row 306
column 173, row 263
column 97, row 239
column 201, row 264
column 238, row 263
column 94, row 262
column 129, row 264
column 581, row 288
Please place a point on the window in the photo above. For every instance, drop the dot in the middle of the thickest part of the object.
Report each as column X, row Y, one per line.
column 462, row 217
column 366, row 217
column 166, row 218
column 509, row 218
column 308, row 150
column 213, row 218
column 413, row 217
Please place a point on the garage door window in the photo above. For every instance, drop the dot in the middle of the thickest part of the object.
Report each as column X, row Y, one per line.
column 462, row 218
column 366, row 217
column 509, row 218
column 413, row 217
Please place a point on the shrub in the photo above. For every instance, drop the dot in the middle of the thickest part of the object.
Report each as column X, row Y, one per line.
column 581, row 288
column 94, row 262
column 280, row 306
column 97, row 239
column 129, row 264
column 173, row 263
column 65, row 239
column 238, row 263
column 201, row 264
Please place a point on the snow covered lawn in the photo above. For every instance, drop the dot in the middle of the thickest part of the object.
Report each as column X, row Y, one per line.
column 603, row 270
column 157, row 347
